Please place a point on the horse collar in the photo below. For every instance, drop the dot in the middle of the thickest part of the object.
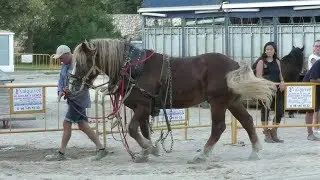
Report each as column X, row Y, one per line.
column 133, row 56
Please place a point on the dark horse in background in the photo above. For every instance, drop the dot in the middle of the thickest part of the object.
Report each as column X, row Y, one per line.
column 143, row 77
column 291, row 67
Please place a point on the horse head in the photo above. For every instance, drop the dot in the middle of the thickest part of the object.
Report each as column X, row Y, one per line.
column 292, row 64
column 84, row 68
column 101, row 56
column 302, row 48
column 297, row 53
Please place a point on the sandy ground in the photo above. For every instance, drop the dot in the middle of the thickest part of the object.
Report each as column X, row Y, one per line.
column 22, row 154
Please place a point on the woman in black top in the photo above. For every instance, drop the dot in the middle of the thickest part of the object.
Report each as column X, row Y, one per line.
column 268, row 67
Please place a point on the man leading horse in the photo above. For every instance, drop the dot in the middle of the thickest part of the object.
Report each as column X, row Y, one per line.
column 76, row 109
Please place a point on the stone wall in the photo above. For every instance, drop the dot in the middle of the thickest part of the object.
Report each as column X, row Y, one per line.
column 128, row 25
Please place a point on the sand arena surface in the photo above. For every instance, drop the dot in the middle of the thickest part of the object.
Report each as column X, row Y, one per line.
column 22, row 155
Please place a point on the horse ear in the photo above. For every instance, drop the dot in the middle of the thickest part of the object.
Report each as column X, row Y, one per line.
column 302, row 48
column 86, row 48
column 127, row 38
column 293, row 47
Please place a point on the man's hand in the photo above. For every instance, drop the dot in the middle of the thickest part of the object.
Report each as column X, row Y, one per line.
column 282, row 86
column 65, row 92
column 60, row 94
column 315, row 80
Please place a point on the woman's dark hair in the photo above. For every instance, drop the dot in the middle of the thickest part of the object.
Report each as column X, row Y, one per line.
column 264, row 55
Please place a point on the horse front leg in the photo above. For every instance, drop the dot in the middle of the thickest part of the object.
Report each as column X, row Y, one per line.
column 145, row 131
column 139, row 114
column 218, row 126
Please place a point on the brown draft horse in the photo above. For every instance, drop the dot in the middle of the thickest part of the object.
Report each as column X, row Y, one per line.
column 212, row 76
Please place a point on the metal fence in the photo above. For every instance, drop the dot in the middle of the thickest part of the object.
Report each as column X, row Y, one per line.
column 24, row 61
column 242, row 42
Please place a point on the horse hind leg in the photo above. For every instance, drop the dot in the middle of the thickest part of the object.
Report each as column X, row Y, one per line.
column 218, row 111
column 238, row 110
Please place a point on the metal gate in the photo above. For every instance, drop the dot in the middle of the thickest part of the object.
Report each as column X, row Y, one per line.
column 297, row 35
column 188, row 41
column 246, row 42
column 240, row 42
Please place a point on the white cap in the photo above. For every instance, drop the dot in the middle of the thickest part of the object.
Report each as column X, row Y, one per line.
column 62, row 49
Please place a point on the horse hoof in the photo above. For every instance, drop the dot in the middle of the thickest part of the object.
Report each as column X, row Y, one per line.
column 198, row 159
column 140, row 159
column 155, row 151
column 254, row 156
column 257, row 147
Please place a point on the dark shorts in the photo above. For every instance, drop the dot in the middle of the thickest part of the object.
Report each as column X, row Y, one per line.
column 76, row 114
column 317, row 99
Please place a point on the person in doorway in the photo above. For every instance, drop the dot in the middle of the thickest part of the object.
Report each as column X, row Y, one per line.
column 76, row 109
column 315, row 56
column 269, row 67
column 313, row 75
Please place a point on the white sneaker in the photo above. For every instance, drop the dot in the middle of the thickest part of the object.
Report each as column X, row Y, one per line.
column 315, row 130
column 56, row 157
column 100, row 154
column 312, row 137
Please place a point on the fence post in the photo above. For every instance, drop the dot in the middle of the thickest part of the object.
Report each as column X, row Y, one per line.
column 104, row 120
column 186, row 124
column 96, row 97
column 234, row 130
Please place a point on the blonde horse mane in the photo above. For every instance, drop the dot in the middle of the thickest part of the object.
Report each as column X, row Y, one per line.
column 110, row 54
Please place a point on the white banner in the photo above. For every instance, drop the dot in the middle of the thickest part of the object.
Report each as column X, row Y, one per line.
column 27, row 58
column 299, row 97
column 177, row 115
column 27, row 99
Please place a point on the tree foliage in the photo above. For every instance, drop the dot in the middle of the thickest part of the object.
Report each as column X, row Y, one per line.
column 74, row 21
column 45, row 24
column 23, row 18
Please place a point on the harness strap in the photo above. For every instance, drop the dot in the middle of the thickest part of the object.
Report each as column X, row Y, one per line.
column 92, row 69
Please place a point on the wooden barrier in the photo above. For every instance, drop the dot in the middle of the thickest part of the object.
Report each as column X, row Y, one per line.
column 26, row 100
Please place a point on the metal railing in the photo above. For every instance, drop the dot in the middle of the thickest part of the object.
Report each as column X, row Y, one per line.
column 24, row 61
column 297, row 96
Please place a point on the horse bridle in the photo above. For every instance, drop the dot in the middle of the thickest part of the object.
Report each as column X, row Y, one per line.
column 93, row 70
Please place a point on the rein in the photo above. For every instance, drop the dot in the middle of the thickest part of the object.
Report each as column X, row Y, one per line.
column 67, row 94
column 162, row 138
column 117, row 102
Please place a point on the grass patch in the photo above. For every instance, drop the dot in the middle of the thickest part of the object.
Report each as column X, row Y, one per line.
column 35, row 67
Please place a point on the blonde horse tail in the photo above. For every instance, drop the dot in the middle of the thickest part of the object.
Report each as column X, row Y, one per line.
column 243, row 82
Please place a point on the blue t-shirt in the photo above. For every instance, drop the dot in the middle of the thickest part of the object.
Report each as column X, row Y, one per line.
column 313, row 73
column 63, row 82
column 83, row 98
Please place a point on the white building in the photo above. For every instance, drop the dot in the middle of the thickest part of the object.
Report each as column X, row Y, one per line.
column 6, row 51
